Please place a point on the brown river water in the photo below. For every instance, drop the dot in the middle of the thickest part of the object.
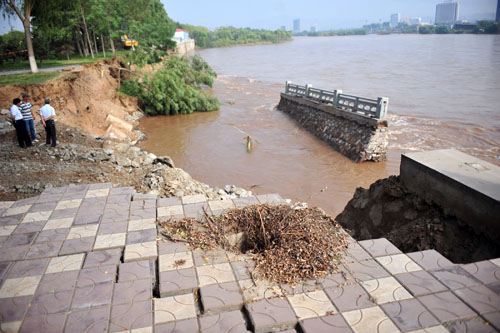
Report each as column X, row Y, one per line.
column 444, row 92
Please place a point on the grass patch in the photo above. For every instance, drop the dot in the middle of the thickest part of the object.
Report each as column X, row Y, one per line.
column 28, row 78
column 75, row 60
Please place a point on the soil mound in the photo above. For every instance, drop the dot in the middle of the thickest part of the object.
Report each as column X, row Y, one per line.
column 86, row 97
column 290, row 245
column 387, row 209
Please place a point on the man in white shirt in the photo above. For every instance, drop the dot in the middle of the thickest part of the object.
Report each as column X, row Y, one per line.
column 17, row 118
column 48, row 114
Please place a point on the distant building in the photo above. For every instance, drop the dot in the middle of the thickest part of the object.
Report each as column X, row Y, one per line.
column 313, row 28
column 446, row 13
column 395, row 19
column 283, row 28
column 296, row 25
column 415, row 20
column 498, row 12
column 180, row 35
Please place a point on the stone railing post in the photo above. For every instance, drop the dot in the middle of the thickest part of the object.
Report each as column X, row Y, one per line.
column 336, row 98
column 382, row 105
column 308, row 86
column 286, row 86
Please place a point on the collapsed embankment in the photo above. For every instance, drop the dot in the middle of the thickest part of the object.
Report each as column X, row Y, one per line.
column 388, row 209
column 96, row 137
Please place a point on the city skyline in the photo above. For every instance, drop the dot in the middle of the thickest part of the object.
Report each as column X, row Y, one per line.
column 334, row 14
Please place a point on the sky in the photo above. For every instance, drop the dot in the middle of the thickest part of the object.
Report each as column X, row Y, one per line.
column 324, row 14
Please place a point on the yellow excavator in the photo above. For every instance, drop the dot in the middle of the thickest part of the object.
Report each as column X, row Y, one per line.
column 129, row 43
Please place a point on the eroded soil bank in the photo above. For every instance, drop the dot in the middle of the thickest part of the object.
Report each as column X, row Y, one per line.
column 387, row 209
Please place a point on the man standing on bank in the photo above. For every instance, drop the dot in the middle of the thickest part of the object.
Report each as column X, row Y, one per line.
column 47, row 113
column 29, row 116
column 17, row 118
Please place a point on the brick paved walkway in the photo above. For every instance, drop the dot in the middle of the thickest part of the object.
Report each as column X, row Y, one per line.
column 87, row 258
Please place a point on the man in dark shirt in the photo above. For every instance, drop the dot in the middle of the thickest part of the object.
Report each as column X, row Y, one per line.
column 28, row 116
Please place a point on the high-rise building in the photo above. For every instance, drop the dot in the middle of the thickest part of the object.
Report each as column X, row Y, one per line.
column 446, row 13
column 296, row 25
column 498, row 12
column 415, row 20
column 395, row 19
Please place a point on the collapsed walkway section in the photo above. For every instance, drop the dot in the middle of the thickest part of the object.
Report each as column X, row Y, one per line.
column 353, row 126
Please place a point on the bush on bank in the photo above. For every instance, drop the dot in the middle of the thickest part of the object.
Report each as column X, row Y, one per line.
column 176, row 88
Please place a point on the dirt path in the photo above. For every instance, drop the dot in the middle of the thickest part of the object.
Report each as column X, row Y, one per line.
column 48, row 69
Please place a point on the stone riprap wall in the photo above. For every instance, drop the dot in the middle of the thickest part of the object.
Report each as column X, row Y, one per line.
column 185, row 47
column 356, row 136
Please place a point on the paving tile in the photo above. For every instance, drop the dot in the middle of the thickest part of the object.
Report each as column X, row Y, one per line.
column 354, row 252
column 271, row 315
column 172, row 201
column 420, row 283
column 13, row 308
column 271, row 199
column 82, row 231
column 379, row 247
column 44, row 250
column 210, row 257
column 29, row 227
column 140, row 214
column 17, row 210
column 52, row 235
column 112, row 228
column 133, row 291
column 188, row 325
column 4, row 268
column 121, row 190
column 63, row 213
column 337, row 280
column 254, row 290
column 197, row 210
column 226, row 322
column 479, row 298
column 495, row 287
column 332, row 323
column 73, row 196
column 311, row 304
column 87, row 219
column 301, row 287
column 166, row 246
column 11, row 220
column 28, row 268
column 495, row 261
column 97, row 193
column 7, row 230
column 218, row 273
column 77, row 245
column 430, row 259
column 44, row 324
column 92, row 296
column 119, row 198
column 63, row 223
column 455, row 277
column 243, row 269
column 43, row 207
column 170, row 210
column 367, row 270
column 22, row 239
column 95, row 275
column 484, row 271
column 65, row 263
column 131, row 316
column 446, row 306
column 14, row 253
column 6, row 204
column 177, row 282
column 141, row 236
column 65, row 204
column 493, row 319
column 476, row 325
column 179, row 260
column 36, row 217
column 409, row 315
column 399, row 263
column 349, row 297
column 221, row 297
column 52, row 303
column 22, row 286
column 385, row 290
column 89, row 320
column 57, row 282
column 142, row 224
column 142, row 204
column 247, row 201
column 191, row 199
column 145, row 196
column 46, row 197
column 174, row 308
column 369, row 320
column 140, row 251
column 110, row 241
column 433, row 329
column 55, row 190
column 218, row 205
column 135, row 270
column 103, row 257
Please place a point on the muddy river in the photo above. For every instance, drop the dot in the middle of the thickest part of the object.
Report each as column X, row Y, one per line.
column 443, row 91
